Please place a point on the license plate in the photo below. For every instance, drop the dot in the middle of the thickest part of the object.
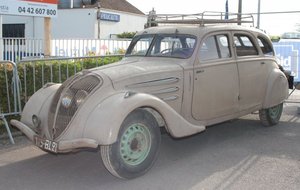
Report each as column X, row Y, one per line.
column 46, row 144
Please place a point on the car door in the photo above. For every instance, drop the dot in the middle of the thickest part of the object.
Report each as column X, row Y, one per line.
column 252, row 68
column 215, row 91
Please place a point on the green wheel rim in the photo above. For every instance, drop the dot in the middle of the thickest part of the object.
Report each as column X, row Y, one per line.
column 135, row 144
column 275, row 111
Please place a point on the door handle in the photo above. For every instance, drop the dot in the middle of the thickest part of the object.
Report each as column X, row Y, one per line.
column 200, row 71
column 262, row 63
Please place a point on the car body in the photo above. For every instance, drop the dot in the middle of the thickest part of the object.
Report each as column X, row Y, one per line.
column 182, row 78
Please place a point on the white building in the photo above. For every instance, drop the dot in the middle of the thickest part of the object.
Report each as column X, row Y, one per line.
column 103, row 19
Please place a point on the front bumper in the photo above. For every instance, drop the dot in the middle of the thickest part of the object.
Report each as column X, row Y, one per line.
column 64, row 145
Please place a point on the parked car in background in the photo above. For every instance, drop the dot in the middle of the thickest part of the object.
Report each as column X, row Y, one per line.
column 291, row 35
column 181, row 78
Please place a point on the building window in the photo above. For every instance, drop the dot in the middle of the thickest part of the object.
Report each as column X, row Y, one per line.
column 13, row 30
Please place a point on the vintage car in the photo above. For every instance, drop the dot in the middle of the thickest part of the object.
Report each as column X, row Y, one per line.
column 180, row 78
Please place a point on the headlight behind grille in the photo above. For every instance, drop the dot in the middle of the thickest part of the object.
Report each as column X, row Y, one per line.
column 80, row 97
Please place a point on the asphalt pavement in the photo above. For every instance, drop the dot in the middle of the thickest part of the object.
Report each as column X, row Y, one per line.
column 240, row 154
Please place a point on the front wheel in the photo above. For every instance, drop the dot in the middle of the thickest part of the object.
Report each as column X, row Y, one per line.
column 137, row 146
column 271, row 116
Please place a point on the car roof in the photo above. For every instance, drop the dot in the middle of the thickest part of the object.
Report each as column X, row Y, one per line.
column 197, row 30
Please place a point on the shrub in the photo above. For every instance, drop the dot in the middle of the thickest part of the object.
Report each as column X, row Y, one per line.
column 126, row 35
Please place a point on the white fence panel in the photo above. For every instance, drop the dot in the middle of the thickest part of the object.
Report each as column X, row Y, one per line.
column 15, row 49
column 86, row 47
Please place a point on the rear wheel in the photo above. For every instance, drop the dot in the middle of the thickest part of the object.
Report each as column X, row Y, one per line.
column 271, row 116
column 137, row 146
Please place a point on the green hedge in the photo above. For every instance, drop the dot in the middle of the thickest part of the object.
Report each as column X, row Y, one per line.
column 127, row 35
column 33, row 75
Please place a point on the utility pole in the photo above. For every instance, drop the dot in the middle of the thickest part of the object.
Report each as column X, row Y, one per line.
column 258, row 14
column 240, row 12
column 47, row 36
column 1, row 40
column 99, row 20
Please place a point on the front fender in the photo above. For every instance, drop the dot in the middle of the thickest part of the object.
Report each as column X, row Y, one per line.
column 104, row 121
column 38, row 104
column 277, row 90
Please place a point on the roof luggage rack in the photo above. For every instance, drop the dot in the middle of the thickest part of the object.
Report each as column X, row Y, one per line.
column 201, row 19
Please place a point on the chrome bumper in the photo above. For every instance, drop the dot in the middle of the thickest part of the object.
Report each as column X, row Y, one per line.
column 63, row 146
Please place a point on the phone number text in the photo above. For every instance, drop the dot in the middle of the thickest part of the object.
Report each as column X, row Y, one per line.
column 37, row 11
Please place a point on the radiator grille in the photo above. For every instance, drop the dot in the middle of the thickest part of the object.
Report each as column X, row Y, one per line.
column 67, row 100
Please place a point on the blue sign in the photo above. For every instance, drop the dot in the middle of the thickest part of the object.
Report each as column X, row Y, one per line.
column 287, row 51
column 109, row 17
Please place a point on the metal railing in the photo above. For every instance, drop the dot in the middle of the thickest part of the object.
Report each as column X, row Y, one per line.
column 34, row 73
column 10, row 103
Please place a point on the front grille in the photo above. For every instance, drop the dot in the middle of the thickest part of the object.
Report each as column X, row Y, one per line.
column 76, row 89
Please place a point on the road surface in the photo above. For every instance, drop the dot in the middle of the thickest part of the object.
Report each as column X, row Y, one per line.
column 240, row 154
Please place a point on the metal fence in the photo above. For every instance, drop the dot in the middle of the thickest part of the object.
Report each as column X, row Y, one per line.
column 16, row 49
column 19, row 81
column 10, row 103
column 35, row 73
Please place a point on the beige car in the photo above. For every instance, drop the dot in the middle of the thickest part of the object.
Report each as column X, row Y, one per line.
column 181, row 78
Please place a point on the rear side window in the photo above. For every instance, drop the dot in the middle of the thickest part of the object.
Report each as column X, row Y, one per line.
column 215, row 47
column 265, row 46
column 244, row 45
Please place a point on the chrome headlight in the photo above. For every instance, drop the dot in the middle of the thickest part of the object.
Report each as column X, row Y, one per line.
column 66, row 100
column 80, row 96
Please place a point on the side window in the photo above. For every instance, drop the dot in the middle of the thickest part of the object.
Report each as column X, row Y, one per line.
column 215, row 47
column 265, row 46
column 223, row 44
column 244, row 45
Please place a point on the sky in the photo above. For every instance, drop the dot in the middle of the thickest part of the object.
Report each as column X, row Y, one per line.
column 273, row 24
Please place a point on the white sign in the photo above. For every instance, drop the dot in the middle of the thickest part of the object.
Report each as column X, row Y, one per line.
column 40, row 8
column 288, row 52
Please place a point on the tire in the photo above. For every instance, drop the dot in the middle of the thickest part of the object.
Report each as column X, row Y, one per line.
column 137, row 146
column 271, row 116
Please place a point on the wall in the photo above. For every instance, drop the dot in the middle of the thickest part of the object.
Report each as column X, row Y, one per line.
column 82, row 23
column 74, row 23
column 34, row 26
column 128, row 23
column 79, row 23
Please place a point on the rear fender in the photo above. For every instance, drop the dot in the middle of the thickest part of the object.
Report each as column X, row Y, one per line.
column 103, row 123
column 277, row 89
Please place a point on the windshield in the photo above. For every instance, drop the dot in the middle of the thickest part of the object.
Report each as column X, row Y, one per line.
column 172, row 45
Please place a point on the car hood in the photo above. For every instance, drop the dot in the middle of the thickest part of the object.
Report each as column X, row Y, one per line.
column 136, row 70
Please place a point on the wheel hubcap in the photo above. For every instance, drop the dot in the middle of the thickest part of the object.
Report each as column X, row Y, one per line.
column 135, row 144
column 274, row 111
